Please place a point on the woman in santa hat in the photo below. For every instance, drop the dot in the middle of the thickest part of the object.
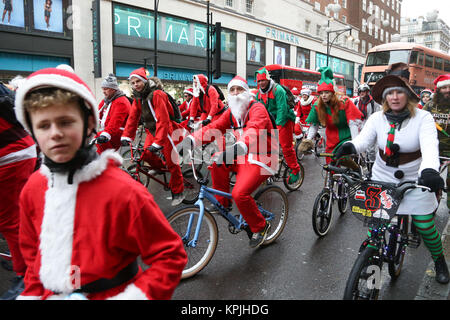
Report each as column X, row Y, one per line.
column 252, row 157
column 84, row 221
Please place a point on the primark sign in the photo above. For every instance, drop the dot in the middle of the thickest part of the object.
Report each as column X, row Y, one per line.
column 134, row 27
column 282, row 36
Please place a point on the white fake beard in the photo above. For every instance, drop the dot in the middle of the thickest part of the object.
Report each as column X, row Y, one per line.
column 238, row 105
column 195, row 91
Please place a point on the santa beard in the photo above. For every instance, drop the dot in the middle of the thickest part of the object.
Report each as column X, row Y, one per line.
column 238, row 105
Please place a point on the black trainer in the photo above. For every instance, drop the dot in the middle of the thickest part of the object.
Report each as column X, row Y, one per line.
column 441, row 268
column 258, row 237
column 15, row 290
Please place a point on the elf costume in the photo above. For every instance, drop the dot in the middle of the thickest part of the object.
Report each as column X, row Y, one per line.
column 274, row 99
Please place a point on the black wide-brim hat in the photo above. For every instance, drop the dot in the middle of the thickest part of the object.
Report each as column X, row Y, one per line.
column 390, row 81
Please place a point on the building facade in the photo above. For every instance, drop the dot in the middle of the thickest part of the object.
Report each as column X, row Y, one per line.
column 103, row 36
column 432, row 34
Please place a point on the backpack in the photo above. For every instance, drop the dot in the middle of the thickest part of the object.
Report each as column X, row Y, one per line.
column 219, row 91
column 176, row 109
column 290, row 98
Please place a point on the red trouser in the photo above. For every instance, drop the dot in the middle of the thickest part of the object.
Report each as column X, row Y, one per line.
column 12, row 179
column 176, row 178
column 248, row 178
column 287, row 146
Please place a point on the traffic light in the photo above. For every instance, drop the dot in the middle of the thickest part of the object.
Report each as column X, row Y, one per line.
column 216, row 53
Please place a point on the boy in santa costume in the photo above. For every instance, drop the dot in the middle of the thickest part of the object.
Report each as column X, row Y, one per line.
column 84, row 221
column 152, row 106
column 206, row 101
column 113, row 112
column 253, row 157
column 17, row 163
column 273, row 96
column 185, row 108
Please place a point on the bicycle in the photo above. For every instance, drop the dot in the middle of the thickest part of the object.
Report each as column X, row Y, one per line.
column 198, row 228
column 376, row 203
column 335, row 189
column 144, row 173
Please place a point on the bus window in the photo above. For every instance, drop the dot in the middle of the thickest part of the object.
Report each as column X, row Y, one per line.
column 447, row 66
column 414, row 56
column 438, row 63
column 429, row 61
column 383, row 58
column 420, row 61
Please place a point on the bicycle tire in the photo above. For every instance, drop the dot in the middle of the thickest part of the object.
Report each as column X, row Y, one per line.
column 353, row 290
column 321, row 218
column 131, row 170
column 398, row 247
column 294, row 186
column 201, row 255
column 191, row 186
column 342, row 201
column 266, row 198
column 126, row 155
column 319, row 145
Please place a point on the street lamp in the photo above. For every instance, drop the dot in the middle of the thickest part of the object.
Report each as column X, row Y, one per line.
column 155, row 59
column 338, row 33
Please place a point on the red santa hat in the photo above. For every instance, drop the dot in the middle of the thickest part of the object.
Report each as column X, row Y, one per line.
column 189, row 91
column 202, row 81
column 238, row 81
column 63, row 77
column 442, row 80
column 306, row 91
column 140, row 73
column 295, row 91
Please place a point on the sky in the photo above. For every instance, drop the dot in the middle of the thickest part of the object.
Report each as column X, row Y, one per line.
column 415, row 8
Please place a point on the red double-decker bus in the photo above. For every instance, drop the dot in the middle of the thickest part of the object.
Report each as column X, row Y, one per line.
column 300, row 78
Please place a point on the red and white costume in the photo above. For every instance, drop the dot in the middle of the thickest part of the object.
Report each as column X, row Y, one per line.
column 163, row 136
column 17, row 163
column 113, row 118
column 74, row 234
column 211, row 107
column 256, row 135
column 185, row 109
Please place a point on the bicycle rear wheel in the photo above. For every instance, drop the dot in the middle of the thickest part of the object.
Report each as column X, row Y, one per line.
column 296, row 185
column 397, row 247
column 365, row 277
column 203, row 251
column 191, row 186
column 322, row 213
column 274, row 200
column 342, row 202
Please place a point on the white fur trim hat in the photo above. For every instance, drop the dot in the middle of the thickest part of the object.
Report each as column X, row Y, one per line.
column 62, row 77
column 442, row 80
column 238, row 81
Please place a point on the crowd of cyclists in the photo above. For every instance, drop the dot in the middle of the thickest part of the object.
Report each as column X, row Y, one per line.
column 58, row 229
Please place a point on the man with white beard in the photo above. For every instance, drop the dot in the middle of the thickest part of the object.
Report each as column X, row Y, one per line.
column 253, row 157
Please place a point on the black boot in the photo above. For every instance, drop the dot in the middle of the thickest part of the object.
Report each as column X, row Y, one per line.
column 15, row 290
column 441, row 270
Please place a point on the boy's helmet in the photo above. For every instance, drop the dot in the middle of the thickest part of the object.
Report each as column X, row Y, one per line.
column 62, row 77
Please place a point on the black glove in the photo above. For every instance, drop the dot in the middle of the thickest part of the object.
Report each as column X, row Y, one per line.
column 102, row 139
column 430, row 178
column 345, row 149
column 124, row 142
column 190, row 124
column 206, row 122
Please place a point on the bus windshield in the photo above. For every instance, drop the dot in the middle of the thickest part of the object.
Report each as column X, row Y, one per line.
column 384, row 58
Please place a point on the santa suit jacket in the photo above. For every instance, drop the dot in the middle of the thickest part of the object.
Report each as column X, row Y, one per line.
column 212, row 105
column 161, row 110
column 256, row 135
column 113, row 118
column 92, row 229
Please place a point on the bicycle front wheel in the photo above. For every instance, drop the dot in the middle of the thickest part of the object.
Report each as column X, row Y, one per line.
column 184, row 222
column 365, row 277
column 139, row 176
column 191, row 186
column 397, row 247
column 275, row 208
column 342, row 192
column 322, row 213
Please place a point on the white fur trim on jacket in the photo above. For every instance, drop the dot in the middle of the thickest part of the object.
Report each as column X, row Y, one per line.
column 56, row 238
column 131, row 292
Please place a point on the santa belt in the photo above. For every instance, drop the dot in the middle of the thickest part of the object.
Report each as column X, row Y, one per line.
column 103, row 284
column 400, row 158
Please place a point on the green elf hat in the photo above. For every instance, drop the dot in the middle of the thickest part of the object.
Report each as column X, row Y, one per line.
column 326, row 82
column 262, row 74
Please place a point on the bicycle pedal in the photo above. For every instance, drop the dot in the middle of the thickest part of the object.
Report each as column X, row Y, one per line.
column 414, row 240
